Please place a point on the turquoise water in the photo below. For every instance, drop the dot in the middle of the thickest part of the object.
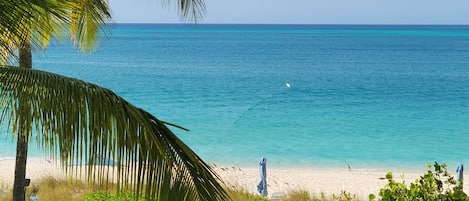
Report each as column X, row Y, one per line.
column 367, row 96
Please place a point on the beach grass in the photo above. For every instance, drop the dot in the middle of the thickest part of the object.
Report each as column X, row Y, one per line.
column 238, row 194
column 60, row 188
column 240, row 183
column 293, row 195
column 303, row 195
column 51, row 188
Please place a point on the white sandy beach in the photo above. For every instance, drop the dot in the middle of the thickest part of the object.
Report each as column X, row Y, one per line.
column 280, row 181
column 36, row 168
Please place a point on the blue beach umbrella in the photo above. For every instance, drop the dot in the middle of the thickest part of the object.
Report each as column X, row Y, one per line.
column 459, row 174
column 262, row 186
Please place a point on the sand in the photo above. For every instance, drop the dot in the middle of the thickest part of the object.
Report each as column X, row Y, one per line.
column 279, row 181
column 362, row 183
column 36, row 168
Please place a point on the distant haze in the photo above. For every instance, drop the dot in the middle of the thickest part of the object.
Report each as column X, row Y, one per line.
column 301, row 11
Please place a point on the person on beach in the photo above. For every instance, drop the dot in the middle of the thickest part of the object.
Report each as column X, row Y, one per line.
column 34, row 196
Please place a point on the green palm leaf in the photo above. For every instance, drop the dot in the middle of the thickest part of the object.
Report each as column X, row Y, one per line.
column 12, row 16
column 86, row 18
column 78, row 121
column 192, row 10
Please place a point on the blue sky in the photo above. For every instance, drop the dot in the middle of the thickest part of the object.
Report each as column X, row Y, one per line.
column 301, row 11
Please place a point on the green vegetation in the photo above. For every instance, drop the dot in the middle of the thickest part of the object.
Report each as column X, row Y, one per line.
column 50, row 188
column 105, row 196
column 241, row 195
column 298, row 195
column 295, row 195
column 436, row 184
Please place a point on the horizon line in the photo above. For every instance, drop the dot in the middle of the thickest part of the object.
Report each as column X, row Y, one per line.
column 297, row 24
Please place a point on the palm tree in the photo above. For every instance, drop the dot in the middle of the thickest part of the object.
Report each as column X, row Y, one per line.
column 79, row 121
column 38, row 21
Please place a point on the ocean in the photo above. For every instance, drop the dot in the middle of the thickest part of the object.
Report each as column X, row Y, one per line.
column 368, row 96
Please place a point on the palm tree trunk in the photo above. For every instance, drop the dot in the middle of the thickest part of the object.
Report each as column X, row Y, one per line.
column 19, row 189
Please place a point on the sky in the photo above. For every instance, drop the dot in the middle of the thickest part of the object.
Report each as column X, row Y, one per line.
column 299, row 11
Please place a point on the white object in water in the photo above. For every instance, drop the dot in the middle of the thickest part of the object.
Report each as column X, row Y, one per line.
column 288, row 85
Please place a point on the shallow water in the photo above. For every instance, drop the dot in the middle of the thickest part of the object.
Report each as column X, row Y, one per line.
column 366, row 96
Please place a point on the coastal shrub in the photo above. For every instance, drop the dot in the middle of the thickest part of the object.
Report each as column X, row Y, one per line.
column 436, row 184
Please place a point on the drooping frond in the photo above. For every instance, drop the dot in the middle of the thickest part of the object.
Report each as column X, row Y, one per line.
column 82, row 122
column 189, row 10
column 192, row 9
column 86, row 19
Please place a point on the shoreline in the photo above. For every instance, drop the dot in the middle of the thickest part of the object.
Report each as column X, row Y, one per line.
column 280, row 181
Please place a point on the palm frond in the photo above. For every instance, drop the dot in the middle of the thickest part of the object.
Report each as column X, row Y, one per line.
column 11, row 15
column 192, row 9
column 36, row 21
column 32, row 22
column 79, row 121
column 189, row 10
column 86, row 19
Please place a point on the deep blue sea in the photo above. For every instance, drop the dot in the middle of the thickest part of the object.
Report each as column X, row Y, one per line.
column 361, row 95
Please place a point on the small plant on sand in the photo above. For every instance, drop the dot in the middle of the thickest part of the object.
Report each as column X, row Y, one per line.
column 436, row 184
column 345, row 196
